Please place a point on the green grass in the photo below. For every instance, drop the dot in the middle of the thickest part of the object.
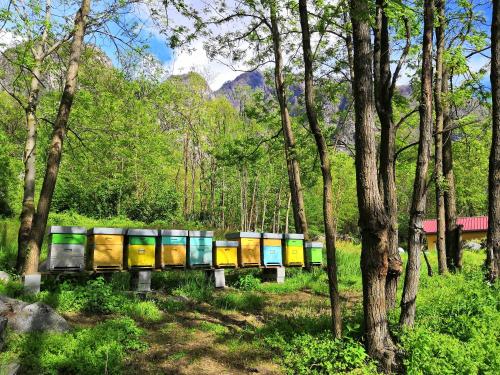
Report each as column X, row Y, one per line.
column 215, row 328
column 97, row 350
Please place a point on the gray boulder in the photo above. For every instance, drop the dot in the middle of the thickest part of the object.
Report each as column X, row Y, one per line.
column 4, row 276
column 35, row 317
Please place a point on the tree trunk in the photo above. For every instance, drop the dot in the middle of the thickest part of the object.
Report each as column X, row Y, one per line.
column 29, row 158
column 56, row 145
column 438, row 140
column 322, row 148
column 493, row 245
column 449, row 176
column 384, row 92
column 373, row 218
column 291, row 157
column 288, row 212
column 415, row 237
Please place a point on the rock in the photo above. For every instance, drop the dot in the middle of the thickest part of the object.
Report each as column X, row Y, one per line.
column 3, row 327
column 401, row 250
column 10, row 369
column 35, row 317
column 4, row 276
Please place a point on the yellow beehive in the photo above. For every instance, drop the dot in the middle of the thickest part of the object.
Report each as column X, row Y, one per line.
column 173, row 248
column 105, row 249
column 141, row 248
column 293, row 248
column 226, row 254
column 249, row 248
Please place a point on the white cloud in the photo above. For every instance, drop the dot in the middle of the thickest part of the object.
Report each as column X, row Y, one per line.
column 215, row 72
column 8, row 39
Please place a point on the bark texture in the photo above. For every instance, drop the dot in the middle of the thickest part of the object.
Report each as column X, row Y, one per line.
column 322, row 148
column 373, row 220
column 438, row 139
column 415, row 238
column 56, row 145
column 384, row 92
column 293, row 166
column 493, row 245
column 29, row 157
column 453, row 250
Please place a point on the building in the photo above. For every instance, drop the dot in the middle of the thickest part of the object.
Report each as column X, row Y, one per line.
column 473, row 228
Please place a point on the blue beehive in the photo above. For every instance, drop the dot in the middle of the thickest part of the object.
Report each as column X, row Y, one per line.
column 200, row 249
column 271, row 250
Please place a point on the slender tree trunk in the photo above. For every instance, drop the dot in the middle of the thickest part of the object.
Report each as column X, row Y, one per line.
column 291, row 157
column 449, row 193
column 373, row 218
column 186, row 171
column 384, row 92
column 288, row 212
column 29, row 158
column 263, row 215
column 58, row 134
column 438, row 140
column 493, row 245
column 322, row 148
column 415, row 238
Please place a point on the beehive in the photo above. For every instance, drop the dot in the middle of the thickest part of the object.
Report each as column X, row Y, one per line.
column 248, row 248
column 226, row 254
column 66, row 248
column 105, row 249
column 200, row 249
column 141, row 248
column 173, row 248
column 293, row 250
column 314, row 253
column 271, row 250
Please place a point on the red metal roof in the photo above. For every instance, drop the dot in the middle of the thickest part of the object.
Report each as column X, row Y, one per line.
column 469, row 224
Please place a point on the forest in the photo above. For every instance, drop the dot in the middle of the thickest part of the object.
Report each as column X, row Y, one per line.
column 350, row 122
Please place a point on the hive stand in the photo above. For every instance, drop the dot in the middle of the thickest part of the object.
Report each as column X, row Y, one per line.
column 217, row 277
column 140, row 280
column 274, row 274
column 32, row 283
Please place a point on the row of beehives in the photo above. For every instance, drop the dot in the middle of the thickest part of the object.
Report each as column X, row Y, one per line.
column 115, row 249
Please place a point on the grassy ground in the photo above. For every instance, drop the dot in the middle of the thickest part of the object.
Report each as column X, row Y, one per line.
column 187, row 327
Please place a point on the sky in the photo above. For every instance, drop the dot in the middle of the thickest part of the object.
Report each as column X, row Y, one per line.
column 183, row 61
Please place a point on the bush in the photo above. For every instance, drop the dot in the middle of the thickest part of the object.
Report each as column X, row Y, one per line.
column 320, row 354
column 248, row 282
column 97, row 350
column 457, row 326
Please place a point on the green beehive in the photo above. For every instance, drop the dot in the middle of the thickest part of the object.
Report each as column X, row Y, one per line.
column 314, row 254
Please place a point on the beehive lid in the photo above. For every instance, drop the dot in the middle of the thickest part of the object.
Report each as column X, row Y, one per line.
column 294, row 236
column 66, row 230
column 314, row 244
column 142, row 232
column 226, row 243
column 201, row 233
column 243, row 235
column 111, row 231
column 174, row 232
column 275, row 236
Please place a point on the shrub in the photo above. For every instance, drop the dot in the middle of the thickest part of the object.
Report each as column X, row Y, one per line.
column 320, row 354
column 248, row 282
column 97, row 350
